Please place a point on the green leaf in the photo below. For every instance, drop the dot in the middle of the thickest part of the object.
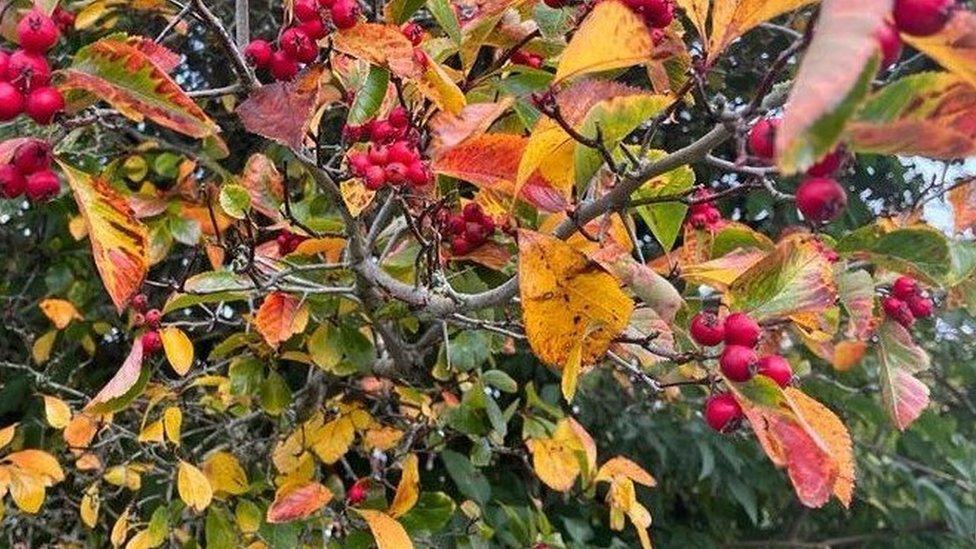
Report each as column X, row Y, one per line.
column 500, row 380
column 245, row 375
column 370, row 96
column 401, row 10
column 209, row 287
column 469, row 480
column 219, row 530
column 431, row 513
column 443, row 12
column 275, row 394
column 920, row 251
column 325, row 347
column 665, row 219
column 235, row 200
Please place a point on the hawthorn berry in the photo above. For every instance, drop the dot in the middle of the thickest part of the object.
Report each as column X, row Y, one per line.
column 399, row 118
column 32, row 156
column 357, row 492
column 556, row 4
column 64, row 18
column 326, row 4
column 298, row 45
column 345, row 14
column 738, row 362
column 820, row 199
column 722, row 412
column 922, row 17
column 288, row 242
column 283, row 66
column 4, row 63
column 414, row 32
column 375, row 177
column 904, row 287
column 898, row 310
column 528, row 59
column 396, row 173
column 703, row 214
column 11, row 102
column 12, row 182
column 707, row 329
column 359, row 162
column 741, row 329
column 28, row 70
column 37, row 32
column 42, row 186
column 762, row 139
column 776, row 368
column 382, row 131
column 402, row 152
column 921, row 306
column 889, row 42
column 315, row 29
column 461, row 246
column 153, row 318
column 828, row 165
column 43, row 104
column 306, row 10
column 418, row 174
column 140, row 303
column 258, row 53
column 151, row 342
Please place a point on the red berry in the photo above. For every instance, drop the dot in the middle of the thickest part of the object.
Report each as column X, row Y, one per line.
column 43, row 104
column 741, row 329
column 140, row 302
column 738, row 363
column 258, row 53
column 402, row 152
column 713, row 216
column 382, row 131
column 922, row 17
column 456, row 225
column 12, row 182
column 904, row 287
column 375, row 177
column 820, row 199
column 472, row 212
column 4, row 63
column 889, row 42
column 722, row 412
column 298, row 45
column 461, row 246
column 414, row 32
column 762, row 139
column 399, row 118
column 555, row 4
column 42, row 186
column 698, row 220
column 776, row 368
column 475, row 233
column 28, row 70
column 354, row 134
column 306, row 10
column 345, row 13
column 417, row 174
column 828, row 165
column 315, row 29
column 396, row 173
column 32, row 156
column 37, row 32
column 359, row 163
column 11, row 102
column 898, row 310
column 283, row 66
column 151, row 343
column 921, row 307
column 326, row 4
column 379, row 155
column 658, row 14
column 357, row 492
column 64, row 18
column 707, row 329
column 153, row 317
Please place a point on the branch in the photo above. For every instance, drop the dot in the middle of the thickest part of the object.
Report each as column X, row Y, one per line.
column 248, row 80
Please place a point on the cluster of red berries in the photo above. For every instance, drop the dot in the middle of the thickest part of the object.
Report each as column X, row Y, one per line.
column 152, row 342
column 468, row 229
column 288, row 242
column 820, row 198
column 299, row 43
column 25, row 74
column 738, row 361
column 528, row 59
column 657, row 14
column 703, row 214
column 907, row 302
column 29, row 172
column 392, row 157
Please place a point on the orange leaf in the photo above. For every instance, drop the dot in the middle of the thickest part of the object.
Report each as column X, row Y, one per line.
column 387, row 532
column 283, row 111
column 625, row 467
column 119, row 241
column 963, row 201
column 834, row 434
column 449, row 130
column 264, row 184
column 59, row 311
column 281, row 316
column 590, row 50
column 408, row 490
column 297, row 503
column 379, row 44
column 953, row 47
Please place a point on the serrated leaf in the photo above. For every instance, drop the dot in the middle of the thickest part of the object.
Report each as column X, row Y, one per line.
column 560, row 459
column 921, row 250
column 225, row 474
column 904, row 395
column 283, row 111
column 733, row 18
column 235, row 200
column 264, row 184
column 280, row 316
column 369, row 97
column 590, row 50
column 954, row 46
column 665, row 219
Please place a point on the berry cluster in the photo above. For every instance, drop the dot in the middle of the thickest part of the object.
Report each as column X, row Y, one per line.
column 152, row 342
column 907, row 302
column 392, row 157
column 299, row 43
column 703, row 214
column 25, row 74
column 528, row 59
column 738, row 361
column 29, row 172
column 288, row 241
column 657, row 14
column 820, row 198
column 468, row 229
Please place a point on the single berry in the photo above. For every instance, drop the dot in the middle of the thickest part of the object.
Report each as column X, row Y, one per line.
column 922, row 17
column 473, row 212
column 151, row 343
column 283, row 66
column 399, row 118
column 713, row 216
column 43, row 104
column 42, row 186
column 12, row 182
column 698, row 221
column 345, row 14
column 776, row 368
column 820, row 199
column 461, row 246
column 298, row 45
column 738, row 363
column 762, row 139
column 258, row 53
column 741, row 329
column 921, row 307
column 414, row 32
column 153, row 317
column 898, row 310
column 11, row 102
column 32, row 156
column 306, row 10
column 417, row 174
column 904, row 287
column 396, row 173
column 140, row 303
column 707, row 329
column 722, row 412
column 315, row 29
column 375, row 177
column 828, row 165
column 28, row 70
column 357, row 492
column 889, row 42
column 379, row 155
column 658, row 14
column 37, row 32
column 359, row 163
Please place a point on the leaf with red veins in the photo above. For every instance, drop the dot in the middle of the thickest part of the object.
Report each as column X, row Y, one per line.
column 297, row 503
column 280, row 316
column 264, row 184
column 283, row 111
column 161, row 56
column 904, row 396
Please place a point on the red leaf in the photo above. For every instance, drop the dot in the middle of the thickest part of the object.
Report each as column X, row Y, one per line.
column 903, row 394
column 161, row 56
column 281, row 316
column 448, row 130
column 283, row 111
column 298, row 503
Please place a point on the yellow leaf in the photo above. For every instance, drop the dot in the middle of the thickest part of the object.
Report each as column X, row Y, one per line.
column 697, row 12
column 612, row 36
column 558, row 460
column 733, row 18
column 193, row 487
column 91, row 13
column 57, row 412
column 953, row 47
column 388, row 533
column 565, row 296
column 571, row 371
column 27, row 490
column 59, row 311
column 7, row 434
column 333, row 439
column 119, row 241
column 142, row 540
column 172, row 424
column 178, row 348
column 248, row 517
column 408, row 490
column 90, row 503
column 41, row 350
column 124, row 475
column 356, row 196
column 280, row 316
column 627, row 468
column 440, row 88
column 550, row 151
column 225, row 474
column 39, row 464
column 382, row 438
column 120, row 530
column 152, row 432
